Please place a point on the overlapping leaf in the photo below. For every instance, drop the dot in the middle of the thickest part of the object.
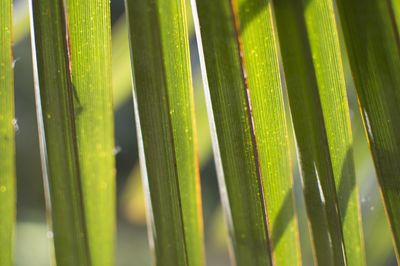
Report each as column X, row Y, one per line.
column 317, row 93
column 74, row 107
column 163, row 101
column 56, row 118
column 245, row 105
column 372, row 43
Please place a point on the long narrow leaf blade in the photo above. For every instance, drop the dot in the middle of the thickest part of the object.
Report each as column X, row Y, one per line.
column 308, row 121
column 245, row 104
column 133, row 194
column 318, row 24
column 255, row 24
column 7, row 145
column 163, row 100
column 231, row 133
column 89, row 33
column 121, row 69
column 372, row 43
column 54, row 101
column 325, row 49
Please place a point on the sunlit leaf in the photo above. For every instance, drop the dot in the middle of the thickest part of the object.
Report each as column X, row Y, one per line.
column 132, row 194
column 163, row 100
column 55, row 112
column 245, row 105
column 121, row 69
column 7, row 144
column 395, row 11
column 315, row 84
column 89, row 36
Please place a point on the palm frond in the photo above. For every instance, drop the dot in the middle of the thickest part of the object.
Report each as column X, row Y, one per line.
column 372, row 43
column 57, row 129
column 308, row 79
column 163, row 100
column 245, row 105
column 89, row 36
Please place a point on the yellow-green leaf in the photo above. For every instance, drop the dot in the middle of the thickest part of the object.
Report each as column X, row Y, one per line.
column 89, row 36
column 396, row 13
column 7, row 142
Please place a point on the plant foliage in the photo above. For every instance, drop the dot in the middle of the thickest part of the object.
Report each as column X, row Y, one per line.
column 74, row 107
column 372, row 42
column 163, row 100
column 262, row 63
column 7, row 145
column 245, row 106
column 317, row 94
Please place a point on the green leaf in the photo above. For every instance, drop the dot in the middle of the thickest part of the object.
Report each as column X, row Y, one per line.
column 132, row 197
column 56, row 119
column 319, row 47
column 163, row 100
column 7, row 142
column 56, row 123
column 315, row 83
column 89, row 32
column 245, row 104
column 395, row 5
column 326, row 53
column 121, row 68
column 372, row 43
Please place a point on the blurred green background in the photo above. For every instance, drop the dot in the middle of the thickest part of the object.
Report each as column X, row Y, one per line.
column 32, row 244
